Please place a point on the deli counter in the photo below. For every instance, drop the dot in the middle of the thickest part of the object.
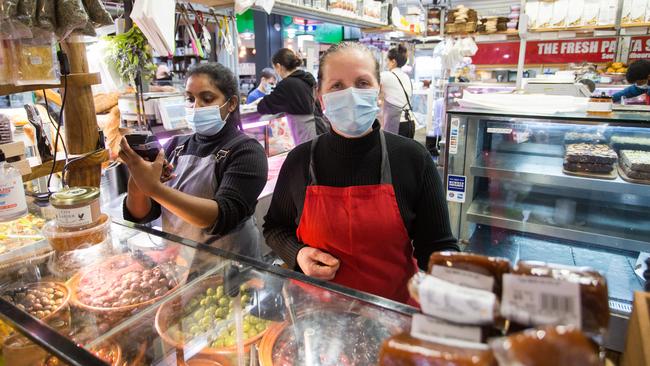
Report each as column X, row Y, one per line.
column 148, row 298
column 563, row 188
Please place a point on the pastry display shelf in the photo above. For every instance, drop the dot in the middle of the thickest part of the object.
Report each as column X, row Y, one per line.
column 581, row 28
column 306, row 12
column 73, row 80
column 547, row 170
column 634, row 25
column 390, row 28
column 610, row 226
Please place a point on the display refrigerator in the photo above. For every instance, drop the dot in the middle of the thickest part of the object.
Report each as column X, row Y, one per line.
column 554, row 188
column 143, row 297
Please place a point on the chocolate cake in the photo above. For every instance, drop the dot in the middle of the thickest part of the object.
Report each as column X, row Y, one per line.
column 636, row 160
column 588, row 153
column 630, row 143
column 635, row 174
column 583, row 137
column 588, row 167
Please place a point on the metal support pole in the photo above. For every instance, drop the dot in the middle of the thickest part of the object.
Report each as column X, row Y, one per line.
column 522, row 46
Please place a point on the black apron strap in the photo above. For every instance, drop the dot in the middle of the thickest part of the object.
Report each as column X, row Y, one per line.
column 386, row 174
column 312, row 168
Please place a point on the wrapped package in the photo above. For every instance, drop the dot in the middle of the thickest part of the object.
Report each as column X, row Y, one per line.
column 70, row 15
column 532, row 10
column 454, row 303
column 538, row 293
column 638, row 15
column 10, row 26
column 557, row 346
column 406, row 350
column 574, row 15
column 26, row 12
column 36, row 61
column 591, row 12
column 46, row 15
column 6, row 61
column 544, row 14
column 97, row 12
column 607, row 14
column 471, row 270
column 560, row 11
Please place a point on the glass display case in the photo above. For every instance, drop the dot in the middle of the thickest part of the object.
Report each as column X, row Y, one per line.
column 141, row 297
column 554, row 188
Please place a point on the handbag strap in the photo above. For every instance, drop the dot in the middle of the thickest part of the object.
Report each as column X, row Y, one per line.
column 408, row 100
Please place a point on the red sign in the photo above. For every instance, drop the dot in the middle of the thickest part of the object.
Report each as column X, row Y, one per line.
column 639, row 49
column 597, row 50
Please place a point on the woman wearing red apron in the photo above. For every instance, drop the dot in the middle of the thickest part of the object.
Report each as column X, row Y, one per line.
column 357, row 206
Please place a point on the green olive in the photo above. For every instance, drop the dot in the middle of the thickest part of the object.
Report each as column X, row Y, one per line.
column 198, row 314
column 223, row 301
column 260, row 327
column 210, row 291
column 245, row 299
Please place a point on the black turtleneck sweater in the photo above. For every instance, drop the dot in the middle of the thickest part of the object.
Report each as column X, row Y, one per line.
column 240, row 182
column 343, row 162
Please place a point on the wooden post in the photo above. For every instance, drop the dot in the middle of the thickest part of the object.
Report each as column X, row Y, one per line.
column 81, row 131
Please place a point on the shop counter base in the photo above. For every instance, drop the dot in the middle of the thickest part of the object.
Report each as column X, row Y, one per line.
column 617, row 266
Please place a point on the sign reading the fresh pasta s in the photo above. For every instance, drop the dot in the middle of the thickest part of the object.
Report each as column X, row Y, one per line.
column 639, row 48
column 597, row 50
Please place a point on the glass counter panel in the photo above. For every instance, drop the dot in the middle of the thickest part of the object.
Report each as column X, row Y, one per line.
column 151, row 298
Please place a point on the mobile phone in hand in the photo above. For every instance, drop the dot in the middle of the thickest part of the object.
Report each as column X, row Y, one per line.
column 147, row 146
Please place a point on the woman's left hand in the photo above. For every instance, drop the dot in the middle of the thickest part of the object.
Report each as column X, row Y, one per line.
column 145, row 174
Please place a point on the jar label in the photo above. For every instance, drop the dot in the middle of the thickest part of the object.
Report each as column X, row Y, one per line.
column 458, row 304
column 463, row 277
column 72, row 217
column 12, row 197
column 533, row 300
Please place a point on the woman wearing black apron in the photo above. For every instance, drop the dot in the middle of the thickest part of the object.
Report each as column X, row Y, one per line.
column 358, row 206
column 218, row 173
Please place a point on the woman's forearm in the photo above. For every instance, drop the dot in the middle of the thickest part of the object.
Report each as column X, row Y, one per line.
column 200, row 212
column 138, row 204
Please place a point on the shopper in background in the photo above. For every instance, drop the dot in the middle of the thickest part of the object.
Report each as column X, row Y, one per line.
column 219, row 171
column 267, row 83
column 356, row 205
column 294, row 96
column 638, row 74
column 397, row 90
column 163, row 75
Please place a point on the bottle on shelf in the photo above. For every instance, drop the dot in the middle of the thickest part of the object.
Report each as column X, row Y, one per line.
column 13, row 203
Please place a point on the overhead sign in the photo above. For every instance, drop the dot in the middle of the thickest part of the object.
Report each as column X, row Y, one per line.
column 597, row 50
column 639, row 48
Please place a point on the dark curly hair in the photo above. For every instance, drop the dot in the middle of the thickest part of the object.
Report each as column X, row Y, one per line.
column 638, row 70
column 223, row 79
column 339, row 47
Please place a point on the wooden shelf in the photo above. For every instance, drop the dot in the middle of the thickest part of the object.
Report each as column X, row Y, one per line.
column 74, row 80
column 388, row 29
column 635, row 25
column 573, row 29
column 510, row 32
column 42, row 170
column 637, row 345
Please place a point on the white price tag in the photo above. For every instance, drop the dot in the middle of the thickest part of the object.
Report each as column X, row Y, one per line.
column 455, row 303
column 533, row 300
column 438, row 331
column 499, row 130
column 463, row 278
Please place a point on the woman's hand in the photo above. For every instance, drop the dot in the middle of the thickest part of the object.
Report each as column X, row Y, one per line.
column 318, row 264
column 146, row 175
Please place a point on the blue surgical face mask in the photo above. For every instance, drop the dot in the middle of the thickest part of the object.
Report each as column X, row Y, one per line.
column 351, row 111
column 205, row 120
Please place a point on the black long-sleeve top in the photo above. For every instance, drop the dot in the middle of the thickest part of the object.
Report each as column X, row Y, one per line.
column 243, row 178
column 293, row 95
column 342, row 162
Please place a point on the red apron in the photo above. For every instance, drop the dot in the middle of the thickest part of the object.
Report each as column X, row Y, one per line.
column 363, row 228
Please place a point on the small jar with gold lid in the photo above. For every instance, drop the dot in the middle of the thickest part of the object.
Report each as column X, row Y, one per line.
column 76, row 207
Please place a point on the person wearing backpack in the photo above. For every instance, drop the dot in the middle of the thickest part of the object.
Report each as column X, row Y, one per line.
column 218, row 171
column 397, row 90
